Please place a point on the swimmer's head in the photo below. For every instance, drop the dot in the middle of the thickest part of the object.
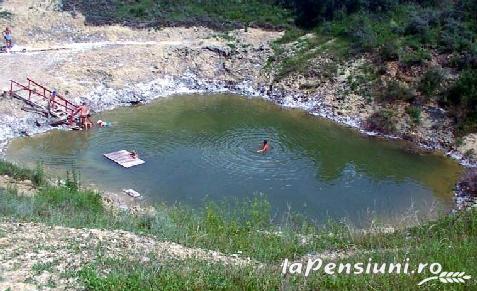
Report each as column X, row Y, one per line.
column 265, row 141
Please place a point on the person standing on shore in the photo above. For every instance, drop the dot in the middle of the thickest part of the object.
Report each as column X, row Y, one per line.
column 7, row 36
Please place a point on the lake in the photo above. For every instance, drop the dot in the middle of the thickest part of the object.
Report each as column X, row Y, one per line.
column 203, row 147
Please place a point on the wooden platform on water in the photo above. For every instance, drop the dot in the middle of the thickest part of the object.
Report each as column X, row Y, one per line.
column 124, row 159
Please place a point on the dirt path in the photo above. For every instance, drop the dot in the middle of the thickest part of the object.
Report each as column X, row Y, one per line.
column 36, row 256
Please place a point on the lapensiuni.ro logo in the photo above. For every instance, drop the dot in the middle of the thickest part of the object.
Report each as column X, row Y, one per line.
column 370, row 267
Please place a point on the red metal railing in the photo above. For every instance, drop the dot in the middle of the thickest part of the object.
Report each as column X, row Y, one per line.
column 35, row 89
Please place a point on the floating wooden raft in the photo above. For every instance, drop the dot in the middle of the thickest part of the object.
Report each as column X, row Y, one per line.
column 124, row 159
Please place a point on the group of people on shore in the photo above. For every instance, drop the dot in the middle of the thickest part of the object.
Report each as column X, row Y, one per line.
column 82, row 112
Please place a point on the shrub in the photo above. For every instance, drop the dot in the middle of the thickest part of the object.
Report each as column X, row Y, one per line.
column 415, row 57
column 431, row 82
column 419, row 24
column 462, row 98
column 455, row 36
column 37, row 176
column 389, row 52
column 394, row 91
column 311, row 12
column 415, row 113
column 381, row 121
column 363, row 36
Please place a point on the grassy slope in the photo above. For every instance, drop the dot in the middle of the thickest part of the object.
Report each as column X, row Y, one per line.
column 409, row 34
column 247, row 227
column 212, row 13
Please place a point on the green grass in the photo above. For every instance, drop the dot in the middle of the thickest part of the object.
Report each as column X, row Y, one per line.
column 451, row 242
column 249, row 227
column 37, row 176
column 236, row 226
column 40, row 267
column 415, row 113
column 245, row 12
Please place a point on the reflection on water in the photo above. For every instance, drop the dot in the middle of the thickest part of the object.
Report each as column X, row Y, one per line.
column 199, row 147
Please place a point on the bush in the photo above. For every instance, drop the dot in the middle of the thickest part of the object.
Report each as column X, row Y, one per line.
column 431, row 82
column 37, row 176
column 462, row 98
column 415, row 57
column 389, row 52
column 363, row 36
column 415, row 113
column 382, row 121
column 455, row 36
column 311, row 12
column 419, row 24
column 394, row 91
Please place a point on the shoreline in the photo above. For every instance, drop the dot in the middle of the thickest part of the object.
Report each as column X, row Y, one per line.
column 167, row 86
column 144, row 93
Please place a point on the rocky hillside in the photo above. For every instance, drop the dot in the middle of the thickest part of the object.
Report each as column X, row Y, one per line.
column 403, row 68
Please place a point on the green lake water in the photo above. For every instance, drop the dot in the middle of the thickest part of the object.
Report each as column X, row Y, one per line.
column 199, row 148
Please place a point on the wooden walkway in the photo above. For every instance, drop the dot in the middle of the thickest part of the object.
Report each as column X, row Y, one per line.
column 124, row 159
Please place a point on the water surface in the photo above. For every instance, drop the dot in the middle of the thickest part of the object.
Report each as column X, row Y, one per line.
column 200, row 147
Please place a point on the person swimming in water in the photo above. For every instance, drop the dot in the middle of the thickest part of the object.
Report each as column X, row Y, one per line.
column 134, row 155
column 265, row 147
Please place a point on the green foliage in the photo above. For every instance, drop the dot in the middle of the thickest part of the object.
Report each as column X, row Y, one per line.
column 53, row 198
column 176, row 275
column 393, row 91
column 72, row 181
column 431, row 82
column 214, row 11
column 382, row 121
column 309, row 12
column 422, row 244
column 363, row 36
column 245, row 226
column 37, row 176
column 40, row 267
column 462, row 99
column 415, row 57
column 415, row 113
column 389, row 52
